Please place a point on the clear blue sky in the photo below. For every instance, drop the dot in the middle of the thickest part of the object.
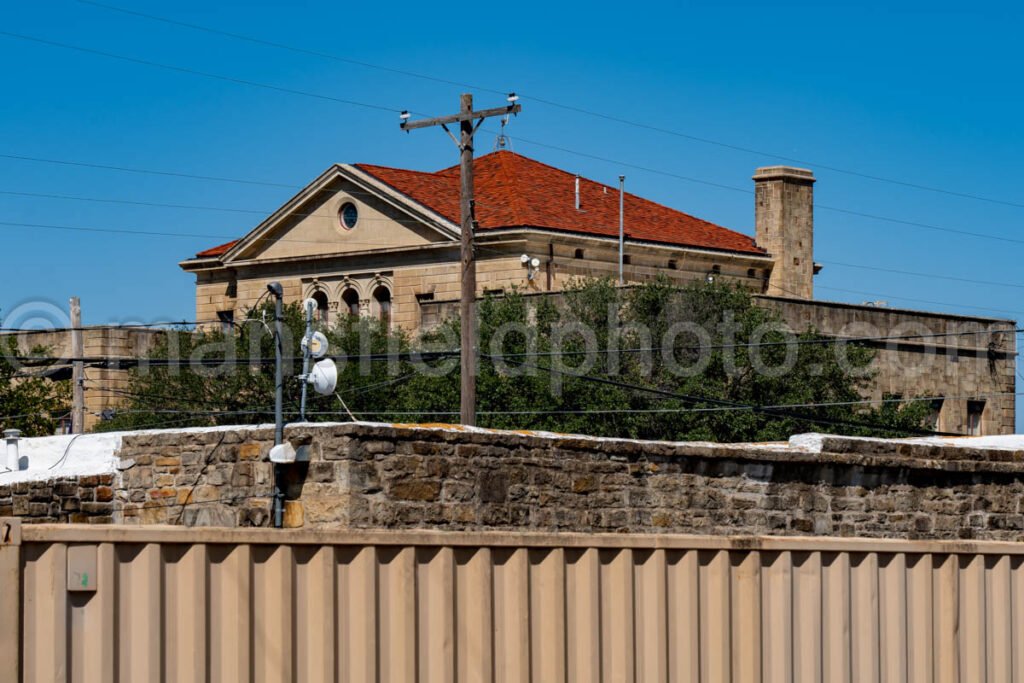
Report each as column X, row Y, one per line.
column 927, row 94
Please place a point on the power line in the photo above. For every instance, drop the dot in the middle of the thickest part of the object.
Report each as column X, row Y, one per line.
column 646, row 169
column 926, row 275
column 405, row 222
column 722, row 402
column 715, row 409
column 352, row 102
column 123, row 326
column 416, row 356
column 398, row 220
column 157, row 233
column 196, row 72
column 234, row 237
column 144, row 171
column 552, row 103
column 921, row 301
column 291, row 48
column 748, row 191
column 521, row 139
column 125, row 362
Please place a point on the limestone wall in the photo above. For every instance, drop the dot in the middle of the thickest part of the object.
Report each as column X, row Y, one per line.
column 961, row 358
column 103, row 386
column 403, row 477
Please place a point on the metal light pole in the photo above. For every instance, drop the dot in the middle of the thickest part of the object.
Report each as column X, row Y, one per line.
column 277, row 290
column 306, row 353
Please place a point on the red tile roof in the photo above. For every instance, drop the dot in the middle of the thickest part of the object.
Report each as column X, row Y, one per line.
column 217, row 250
column 514, row 191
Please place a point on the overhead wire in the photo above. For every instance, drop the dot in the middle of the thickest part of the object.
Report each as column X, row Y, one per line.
column 518, row 138
column 347, row 241
column 418, row 356
column 713, row 401
column 553, row 103
column 197, row 72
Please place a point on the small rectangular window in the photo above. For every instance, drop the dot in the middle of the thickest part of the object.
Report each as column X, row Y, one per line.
column 227, row 321
column 975, row 410
column 425, row 296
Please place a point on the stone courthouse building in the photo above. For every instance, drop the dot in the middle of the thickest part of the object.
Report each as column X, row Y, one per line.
column 384, row 242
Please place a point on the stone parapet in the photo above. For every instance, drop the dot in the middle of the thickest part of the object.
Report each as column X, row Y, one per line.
column 372, row 476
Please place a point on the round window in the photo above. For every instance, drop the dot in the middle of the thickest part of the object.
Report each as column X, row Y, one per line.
column 348, row 215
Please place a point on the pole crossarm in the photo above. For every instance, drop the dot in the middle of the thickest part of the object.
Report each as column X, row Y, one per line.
column 458, row 118
column 469, row 121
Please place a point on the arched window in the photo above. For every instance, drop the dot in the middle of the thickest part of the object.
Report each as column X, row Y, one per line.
column 350, row 298
column 382, row 304
column 320, row 314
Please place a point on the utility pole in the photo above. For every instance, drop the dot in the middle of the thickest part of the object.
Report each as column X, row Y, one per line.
column 77, row 369
column 277, row 291
column 469, row 122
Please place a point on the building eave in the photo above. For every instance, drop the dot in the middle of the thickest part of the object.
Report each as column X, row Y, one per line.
column 483, row 236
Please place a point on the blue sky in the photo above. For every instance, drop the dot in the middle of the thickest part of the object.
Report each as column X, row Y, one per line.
column 924, row 93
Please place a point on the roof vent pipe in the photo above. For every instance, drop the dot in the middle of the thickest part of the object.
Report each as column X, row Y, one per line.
column 12, row 436
column 577, row 192
column 622, row 228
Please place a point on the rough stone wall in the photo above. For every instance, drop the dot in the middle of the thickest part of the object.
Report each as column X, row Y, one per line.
column 979, row 363
column 398, row 477
column 197, row 478
column 97, row 342
column 77, row 500
column 784, row 225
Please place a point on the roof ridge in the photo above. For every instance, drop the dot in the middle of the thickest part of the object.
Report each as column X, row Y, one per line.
column 391, row 168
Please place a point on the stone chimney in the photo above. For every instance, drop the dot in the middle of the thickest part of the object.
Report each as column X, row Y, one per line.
column 784, row 225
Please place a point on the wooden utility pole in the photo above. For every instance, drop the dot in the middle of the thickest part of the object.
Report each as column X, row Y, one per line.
column 469, row 121
column 77, row 369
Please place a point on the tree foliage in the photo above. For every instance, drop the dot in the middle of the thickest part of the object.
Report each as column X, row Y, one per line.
column 655, row 361
column 29, row 403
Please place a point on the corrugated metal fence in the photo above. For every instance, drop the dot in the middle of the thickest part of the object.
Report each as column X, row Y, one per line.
column 173, row 604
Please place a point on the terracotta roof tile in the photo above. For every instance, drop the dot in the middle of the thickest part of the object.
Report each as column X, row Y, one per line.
column 217, row 250
column 515, row 191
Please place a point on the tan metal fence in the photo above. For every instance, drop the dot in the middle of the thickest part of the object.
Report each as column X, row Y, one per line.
column 234, row 605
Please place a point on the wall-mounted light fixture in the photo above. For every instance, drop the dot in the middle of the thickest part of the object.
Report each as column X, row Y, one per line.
column 532, row 265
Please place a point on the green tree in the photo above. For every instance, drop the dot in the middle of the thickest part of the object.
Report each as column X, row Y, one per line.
column 655, row 361
column 706, row 351
column 194, row 389
column 30, row 403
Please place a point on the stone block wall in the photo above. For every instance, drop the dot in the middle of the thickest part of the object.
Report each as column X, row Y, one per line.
column 365, row 476
column 196, row 478
column 962, row 358
column 101, row 384
column 405, row 477
column 76, row 500
column 958, row 357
